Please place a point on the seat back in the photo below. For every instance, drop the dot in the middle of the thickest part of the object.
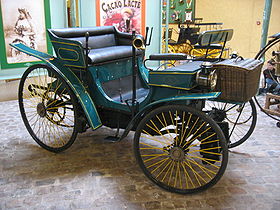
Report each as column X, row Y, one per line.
column 99, row 37
column 215, row 36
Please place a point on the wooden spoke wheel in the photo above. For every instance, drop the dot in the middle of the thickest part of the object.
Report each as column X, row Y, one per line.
column 48, row 108
column 171, row 49
column 212, row 53
column 180, row 149
column 241, row 119
column 184, row 48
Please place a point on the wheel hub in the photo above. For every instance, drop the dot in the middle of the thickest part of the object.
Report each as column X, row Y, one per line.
column 41, row 110
column 217, row 114
column 177, row 154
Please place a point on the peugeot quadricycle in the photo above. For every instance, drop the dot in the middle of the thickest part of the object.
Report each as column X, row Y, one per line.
column 99, row 77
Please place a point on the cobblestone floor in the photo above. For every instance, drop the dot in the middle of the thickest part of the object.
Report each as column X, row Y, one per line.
column 94, row 174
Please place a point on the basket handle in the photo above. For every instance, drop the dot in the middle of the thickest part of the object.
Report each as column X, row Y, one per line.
column 238, row 58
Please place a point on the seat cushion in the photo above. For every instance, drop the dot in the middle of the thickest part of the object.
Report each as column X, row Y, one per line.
column 105, row 54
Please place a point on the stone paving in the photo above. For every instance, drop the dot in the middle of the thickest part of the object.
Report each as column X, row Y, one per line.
column 94, row 174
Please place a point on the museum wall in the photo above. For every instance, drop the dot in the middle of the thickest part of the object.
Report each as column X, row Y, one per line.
column 242, row 16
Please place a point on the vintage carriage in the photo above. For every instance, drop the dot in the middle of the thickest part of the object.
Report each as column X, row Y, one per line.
column 98, row 77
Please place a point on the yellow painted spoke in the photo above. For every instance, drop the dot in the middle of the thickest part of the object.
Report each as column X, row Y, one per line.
column 177, row 175
column 167, row 171
column 54, row 101
column 207, row 161
column 151, row 147
column 154, row 158
column 164, row 168
column 166, row 142
column 152, row 138
column 187, row 176
column 162, row 162
column 194, row 138
column 185, row 130
column 58, row 128
column 192, row 127
column 193, row 171
column 204, row 169
column 203, row 140
column 31, row 99
column 171, row 118
column 155, row 163
column 199, row 129
column 153, row 155
column 204, row 151
column 58, row 104
column 176, row 130
column 171, row 172
column 165, row 125
column 196, row 175
column 182, row 131
column 158, row 131
column 207, row 142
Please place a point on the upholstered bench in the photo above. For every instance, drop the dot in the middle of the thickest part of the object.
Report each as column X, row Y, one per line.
column 105, row 44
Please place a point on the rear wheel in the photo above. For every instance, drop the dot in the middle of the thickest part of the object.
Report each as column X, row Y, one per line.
column 48, row 108
column 241, row 119
column 180, row 149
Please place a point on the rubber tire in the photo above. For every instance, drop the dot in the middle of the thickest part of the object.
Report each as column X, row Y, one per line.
column 24, row 117
column 202, row 116
column 251, row 129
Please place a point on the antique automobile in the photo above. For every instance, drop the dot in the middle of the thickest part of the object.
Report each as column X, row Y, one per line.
column 99, row 77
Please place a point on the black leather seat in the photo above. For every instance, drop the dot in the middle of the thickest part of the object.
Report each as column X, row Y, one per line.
column 112, row 53
column 106, row 43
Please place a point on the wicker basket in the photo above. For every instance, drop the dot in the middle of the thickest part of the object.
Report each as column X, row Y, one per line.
column 238, row 80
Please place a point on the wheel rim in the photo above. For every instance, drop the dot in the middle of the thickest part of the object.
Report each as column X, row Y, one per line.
column 48, row 108
column 241, row 119
column 180, row 150
column 266, row 54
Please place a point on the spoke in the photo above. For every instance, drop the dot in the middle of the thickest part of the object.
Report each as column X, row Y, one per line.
column 165, row 125
column 204, row 169
column 164, row 168
column 151, row 147
column 192, row 127
column 194, row 138
column 205, row 151
column 183, row 122
column 171, row 172
column 187, row 176
column 197, row 144
column 158, row 131
column 162, row 162
column 152, row 138
column 172, row 162
column 207, row 161
column 147, row 160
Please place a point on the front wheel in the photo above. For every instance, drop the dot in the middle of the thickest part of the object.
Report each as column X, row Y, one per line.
column 48, row 108
column 180, row 149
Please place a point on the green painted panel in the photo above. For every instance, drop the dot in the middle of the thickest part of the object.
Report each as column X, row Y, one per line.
column 180, row 11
